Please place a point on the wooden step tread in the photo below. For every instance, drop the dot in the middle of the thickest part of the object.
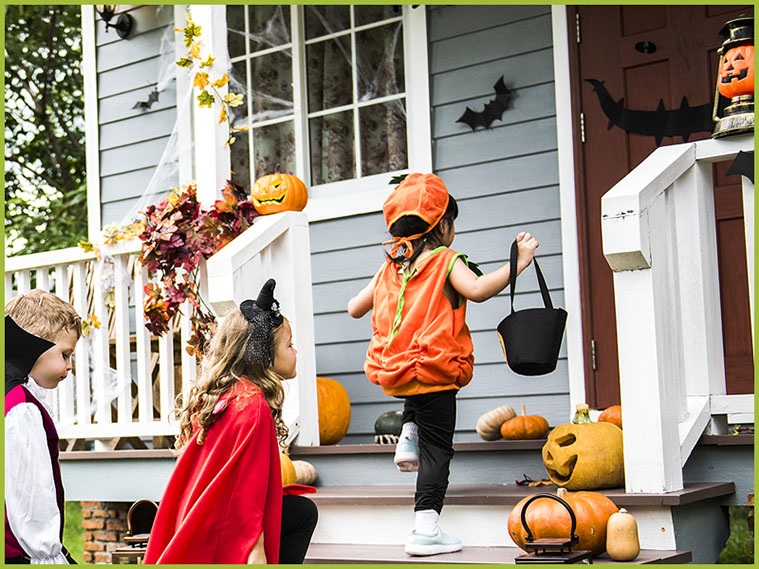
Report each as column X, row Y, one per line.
column 363, row 553
column 507, row 494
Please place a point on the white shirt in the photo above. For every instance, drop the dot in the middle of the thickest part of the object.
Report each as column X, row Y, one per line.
column 30, row 500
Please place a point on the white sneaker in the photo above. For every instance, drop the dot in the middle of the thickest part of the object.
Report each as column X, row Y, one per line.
column 406, row 455
column 438, row 542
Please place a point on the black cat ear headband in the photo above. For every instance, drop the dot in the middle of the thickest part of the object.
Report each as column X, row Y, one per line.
column 263, row 316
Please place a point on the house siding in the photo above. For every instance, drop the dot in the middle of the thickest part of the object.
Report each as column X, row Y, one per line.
column 132, row 141
column 505, row 180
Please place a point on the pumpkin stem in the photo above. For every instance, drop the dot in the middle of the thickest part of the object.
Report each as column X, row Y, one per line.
column 276, row 168
column 524, row 413
column 562, row 493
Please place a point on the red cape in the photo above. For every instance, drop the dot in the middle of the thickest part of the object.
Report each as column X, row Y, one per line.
column 223, row 493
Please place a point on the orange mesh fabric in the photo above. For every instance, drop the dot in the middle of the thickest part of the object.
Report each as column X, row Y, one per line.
column 428, row 347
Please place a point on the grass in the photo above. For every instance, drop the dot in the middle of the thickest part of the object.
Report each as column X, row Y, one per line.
column 737, row 549
column 72, row 530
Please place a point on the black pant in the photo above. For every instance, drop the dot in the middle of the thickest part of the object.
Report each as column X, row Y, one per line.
column 435, row 416
column 299, row 516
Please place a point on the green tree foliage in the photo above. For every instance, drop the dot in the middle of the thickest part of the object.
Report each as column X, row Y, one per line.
column 45, row 191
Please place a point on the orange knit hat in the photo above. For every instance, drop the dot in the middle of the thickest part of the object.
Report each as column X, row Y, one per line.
column 422, row 195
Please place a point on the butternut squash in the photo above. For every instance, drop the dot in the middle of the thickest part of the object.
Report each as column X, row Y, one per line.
column 622, row 542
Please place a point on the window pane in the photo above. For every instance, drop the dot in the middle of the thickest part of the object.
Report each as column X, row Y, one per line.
column 369, row 14
column 240, row 160
column 380, row 61
column 239, row 84
column 236, row 32
column 323, row 20
column 272, row 145
column 383, row 138
column 332, row 156
column 329, row 74
column 271, row 84
column 269, row 26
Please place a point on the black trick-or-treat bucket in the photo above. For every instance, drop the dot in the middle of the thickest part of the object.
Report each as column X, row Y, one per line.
column 531, row 338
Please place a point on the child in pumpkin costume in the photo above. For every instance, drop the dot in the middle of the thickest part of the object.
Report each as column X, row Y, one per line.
column 224, row 501
column 421, row 348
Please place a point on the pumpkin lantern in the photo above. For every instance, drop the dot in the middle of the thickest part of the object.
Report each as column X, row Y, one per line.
column 334, row 410
column 735, row 79
column 550, row 519
column 736, row 76
column 585, row 456
column 274, row 193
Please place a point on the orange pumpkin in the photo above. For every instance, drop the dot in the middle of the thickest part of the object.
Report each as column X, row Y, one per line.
column 274, row 193
column 288, row 470
column 524, row 427
column 736, row 74
column 612, row 414
column 334, row 410
column 549, row 518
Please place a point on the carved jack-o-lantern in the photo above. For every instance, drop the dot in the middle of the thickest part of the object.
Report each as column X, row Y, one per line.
column 279, row 192
column 736, row 75
column 585, row 457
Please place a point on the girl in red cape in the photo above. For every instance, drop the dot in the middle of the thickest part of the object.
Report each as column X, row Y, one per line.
column 224, row 502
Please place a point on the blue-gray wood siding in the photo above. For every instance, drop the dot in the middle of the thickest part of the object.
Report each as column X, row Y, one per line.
column 131, row 140
column 505, row 180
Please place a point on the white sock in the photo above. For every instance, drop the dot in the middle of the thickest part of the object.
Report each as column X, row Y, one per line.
column 410, row 431
column 425, row 521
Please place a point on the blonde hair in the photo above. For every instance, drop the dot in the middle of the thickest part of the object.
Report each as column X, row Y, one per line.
column 43, row 314
column 225, row 365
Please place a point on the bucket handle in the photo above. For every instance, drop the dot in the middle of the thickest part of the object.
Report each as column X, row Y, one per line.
column 529, row 537
column 513, row 277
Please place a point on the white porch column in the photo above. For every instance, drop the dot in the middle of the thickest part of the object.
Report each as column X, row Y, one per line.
column 212, row 159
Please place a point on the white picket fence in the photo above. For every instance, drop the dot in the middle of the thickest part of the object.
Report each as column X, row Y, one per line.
column 125, row 383
column 660, row 239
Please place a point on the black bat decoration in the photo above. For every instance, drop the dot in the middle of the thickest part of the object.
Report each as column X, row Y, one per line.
column 743, row 165
column 397, row 179
column 493, row 109
column 152, row 98
column 659, row 123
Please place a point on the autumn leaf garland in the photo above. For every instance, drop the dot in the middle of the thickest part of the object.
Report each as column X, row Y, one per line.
column 201, row 78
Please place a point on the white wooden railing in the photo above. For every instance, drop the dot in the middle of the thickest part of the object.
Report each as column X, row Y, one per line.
column 125, row 383
column 659, row 238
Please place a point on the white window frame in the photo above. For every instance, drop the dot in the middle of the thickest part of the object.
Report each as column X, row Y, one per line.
column 365, row 194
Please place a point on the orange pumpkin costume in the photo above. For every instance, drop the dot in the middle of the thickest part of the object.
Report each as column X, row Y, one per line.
column 420, row 342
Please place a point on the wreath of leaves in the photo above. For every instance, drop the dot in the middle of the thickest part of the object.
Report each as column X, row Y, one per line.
column 177, row 235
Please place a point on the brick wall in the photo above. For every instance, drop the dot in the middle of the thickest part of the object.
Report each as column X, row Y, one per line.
column 104, row 525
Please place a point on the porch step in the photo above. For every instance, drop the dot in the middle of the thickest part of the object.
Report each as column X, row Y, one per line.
column 340, row 553
column 381, row 515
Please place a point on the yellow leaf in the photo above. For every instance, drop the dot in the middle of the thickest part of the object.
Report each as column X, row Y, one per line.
column 201, row 80
column 95, row 323
column 223, row 115
column 219, row 83
column 195, row 50
column 233, row 99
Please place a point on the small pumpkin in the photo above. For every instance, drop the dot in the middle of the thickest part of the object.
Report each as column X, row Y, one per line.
column 489, row 424
column 549, row 518
column 305, row 473
column 274, row 193
column 524, row 427
column 334, row 410
column 288, row 470
column 736, row 74
column 585, row 456
column 612, row 414
column 622, row 541
column 387, row 427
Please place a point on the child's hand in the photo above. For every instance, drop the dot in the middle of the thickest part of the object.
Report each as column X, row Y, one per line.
column 527, row 245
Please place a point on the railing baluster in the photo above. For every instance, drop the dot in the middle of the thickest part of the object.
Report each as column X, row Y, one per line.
column 66, row 388
column 43, row 278
column 166, row 373
column 100, row 348
column 142, row 347
column 82, row 348
column 9, row 290
column 24, row 281
column 121, row 334
column 189, row 373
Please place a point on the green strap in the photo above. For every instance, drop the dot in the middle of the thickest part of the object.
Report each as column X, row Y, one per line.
column 401, row 293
